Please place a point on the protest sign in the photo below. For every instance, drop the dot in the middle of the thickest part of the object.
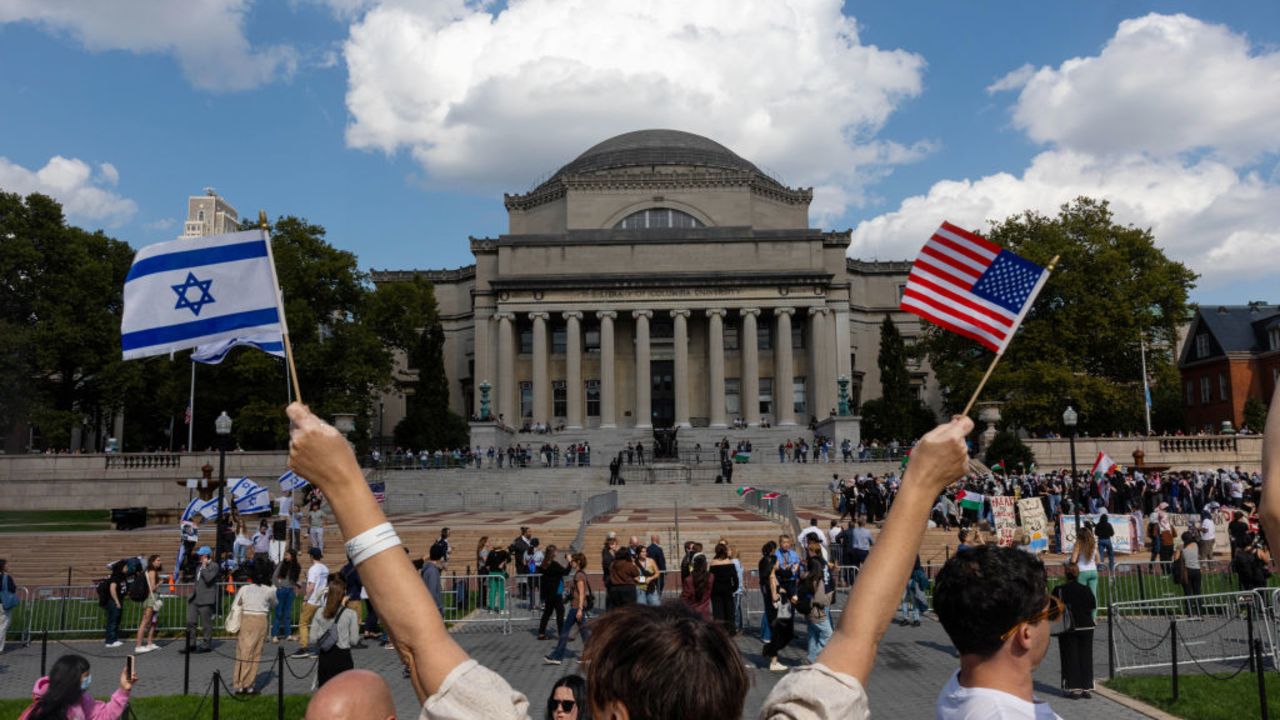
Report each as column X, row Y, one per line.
column 1034, row 523
column 1123, row 542
column 1006, row 519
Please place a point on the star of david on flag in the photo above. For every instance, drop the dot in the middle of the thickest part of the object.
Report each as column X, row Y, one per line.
column 970, row 286
column 201, row 291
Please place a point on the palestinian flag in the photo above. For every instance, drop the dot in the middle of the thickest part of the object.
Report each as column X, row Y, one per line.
column 745, row 489
column 999, row 467
column 970, row 500
column 1104, row 464
column 1032, row 469
column 905, row 458
column 771, row 496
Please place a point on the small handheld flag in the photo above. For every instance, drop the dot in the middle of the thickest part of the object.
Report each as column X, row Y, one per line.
column 971, row 500
column 970, row 286
column 214, row 353
column 196, row 291
column 1104, row 464
column 291, row 481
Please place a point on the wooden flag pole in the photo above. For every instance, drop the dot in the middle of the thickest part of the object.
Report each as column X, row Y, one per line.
column 288, row 348
column 986, row 376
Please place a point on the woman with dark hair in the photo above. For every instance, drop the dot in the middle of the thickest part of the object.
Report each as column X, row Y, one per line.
column 345, row 624
column 725, row 584
column 698, row 587
column 256, row 601
column 580, row 602
column 568, row 699
column 551, row 588
column 64, row 693
column 764, row 575
column 1075, row 644
column 496, row 566
column 286, row 581
column 150, row 608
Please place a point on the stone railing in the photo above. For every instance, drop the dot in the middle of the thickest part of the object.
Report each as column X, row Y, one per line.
column 1173, row 451
column 143, row 460
column 1214, row 444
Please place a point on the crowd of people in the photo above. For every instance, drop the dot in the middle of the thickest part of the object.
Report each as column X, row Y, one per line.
column 679, row 659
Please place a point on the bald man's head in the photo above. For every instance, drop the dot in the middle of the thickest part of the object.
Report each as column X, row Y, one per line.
column 353, row 695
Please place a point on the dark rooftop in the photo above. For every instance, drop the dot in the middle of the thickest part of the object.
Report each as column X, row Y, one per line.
column 656, row 147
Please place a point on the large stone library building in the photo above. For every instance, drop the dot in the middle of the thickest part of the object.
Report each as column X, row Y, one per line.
column 661, row 280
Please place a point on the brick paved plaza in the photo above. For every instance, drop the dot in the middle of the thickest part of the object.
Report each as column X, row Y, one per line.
column 913, row 665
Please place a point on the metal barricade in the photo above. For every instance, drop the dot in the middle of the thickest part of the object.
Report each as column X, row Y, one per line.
column 595, row 506
column 477, row 600
column 1140, row 580
column 1210, row 629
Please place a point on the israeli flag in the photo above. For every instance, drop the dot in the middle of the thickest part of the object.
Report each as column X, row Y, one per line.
column 291, row 481
column 192, row 508
column 214, row 353
column 198, row 291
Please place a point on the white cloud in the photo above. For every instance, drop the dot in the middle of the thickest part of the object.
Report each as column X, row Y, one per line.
column 206, row 36
column 1166, row 123
column 1163, row 84
column 489, row 100
column 70, row 181
column 109, row 174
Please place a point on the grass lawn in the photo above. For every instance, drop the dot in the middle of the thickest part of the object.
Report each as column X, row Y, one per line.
column 182, row 706
column 1201, row 697
column 54, row 520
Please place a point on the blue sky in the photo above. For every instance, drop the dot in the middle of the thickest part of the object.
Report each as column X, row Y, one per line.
column 399, row 125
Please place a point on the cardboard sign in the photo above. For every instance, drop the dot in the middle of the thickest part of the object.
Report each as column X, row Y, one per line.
column 1005, row 517
column 1034, row 523
column 1124, row 541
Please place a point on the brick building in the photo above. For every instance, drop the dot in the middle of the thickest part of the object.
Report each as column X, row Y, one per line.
column 1232, row 353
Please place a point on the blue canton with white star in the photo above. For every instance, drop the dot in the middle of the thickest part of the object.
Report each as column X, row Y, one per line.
column 1008, row 282
column 193, row 284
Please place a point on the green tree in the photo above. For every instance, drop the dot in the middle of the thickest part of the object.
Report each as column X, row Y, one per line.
column 1255, row 414
column 897, row 414
column 61, row 292
column 1006, row 447
column 1112, row 287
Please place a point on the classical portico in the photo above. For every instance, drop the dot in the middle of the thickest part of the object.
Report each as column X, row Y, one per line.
column 661, row 280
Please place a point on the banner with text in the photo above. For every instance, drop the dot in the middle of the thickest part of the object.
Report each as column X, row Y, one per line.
column 1005, row 517
column 1034, row 523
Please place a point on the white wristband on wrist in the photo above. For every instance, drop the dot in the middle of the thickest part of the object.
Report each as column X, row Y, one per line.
column 371, row 542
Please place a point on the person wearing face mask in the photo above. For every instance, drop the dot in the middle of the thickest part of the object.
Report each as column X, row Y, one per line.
column 63, row 694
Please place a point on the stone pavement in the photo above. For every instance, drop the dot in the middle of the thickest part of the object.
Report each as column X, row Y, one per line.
column 914, row 663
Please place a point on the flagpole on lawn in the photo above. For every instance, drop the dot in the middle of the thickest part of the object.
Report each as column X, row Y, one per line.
column 1030, row 301
column 1146, row 388
column 191, row 410
column 284, row 325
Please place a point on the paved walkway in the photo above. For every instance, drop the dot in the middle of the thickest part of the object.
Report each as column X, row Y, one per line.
column 914, row 664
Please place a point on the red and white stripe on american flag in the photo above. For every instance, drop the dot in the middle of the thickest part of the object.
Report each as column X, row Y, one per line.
column 940, row 288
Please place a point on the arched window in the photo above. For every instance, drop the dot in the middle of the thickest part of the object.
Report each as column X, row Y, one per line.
column 654, row 218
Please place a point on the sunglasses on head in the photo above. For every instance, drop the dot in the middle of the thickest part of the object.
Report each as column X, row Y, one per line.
column 562, row 705
column 1051, row 613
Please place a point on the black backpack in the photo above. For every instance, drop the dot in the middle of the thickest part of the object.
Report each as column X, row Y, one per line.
column 104, row 592
column 138, row 590
column 444, row 547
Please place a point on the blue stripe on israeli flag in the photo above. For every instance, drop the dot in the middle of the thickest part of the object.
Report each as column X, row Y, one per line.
column 214, row 353
column 291, row 481
column 198, row 291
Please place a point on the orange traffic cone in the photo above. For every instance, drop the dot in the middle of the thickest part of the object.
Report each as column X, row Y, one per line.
column 231, row 586
column 172, row 581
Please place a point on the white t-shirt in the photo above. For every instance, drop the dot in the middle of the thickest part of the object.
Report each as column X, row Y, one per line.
column 961, row 703
column 319, row 576
column 1206, row 529
column 286, row 504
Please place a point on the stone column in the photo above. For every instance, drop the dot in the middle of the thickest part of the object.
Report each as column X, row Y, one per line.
column 682, row 366
column 573, row 369
column 644, row 378
column 541, row 376
column 842, row 340
column 822, row 361
column 750, row 380
column 715, row 351
column 509, row 399
column 784, row 372
column 608, row 400
column 481, row 373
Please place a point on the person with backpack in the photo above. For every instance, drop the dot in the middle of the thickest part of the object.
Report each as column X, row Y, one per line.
column 581, row 601
column 336, row 629
column 111, row 594
column 8, row 600
column 255, row 602
column 551, row 588
column 817, row 593
column 64, row 693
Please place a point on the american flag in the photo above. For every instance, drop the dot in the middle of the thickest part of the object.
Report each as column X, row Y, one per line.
column 186, row 416
column 379, row 491
column 971, row 286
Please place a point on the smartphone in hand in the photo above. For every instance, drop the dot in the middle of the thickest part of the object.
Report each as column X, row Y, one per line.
column 129, row 666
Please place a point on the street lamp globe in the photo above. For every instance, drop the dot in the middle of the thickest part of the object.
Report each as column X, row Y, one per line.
column 223, row 424
column 1070, row 417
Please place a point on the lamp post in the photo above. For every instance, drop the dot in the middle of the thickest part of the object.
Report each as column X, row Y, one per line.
column 1069, row 419
column 223, row 427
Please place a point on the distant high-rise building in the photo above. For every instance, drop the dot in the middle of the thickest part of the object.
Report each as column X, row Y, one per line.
column 209, row 214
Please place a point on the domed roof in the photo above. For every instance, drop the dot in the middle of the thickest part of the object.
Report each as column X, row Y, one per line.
column 656, row 147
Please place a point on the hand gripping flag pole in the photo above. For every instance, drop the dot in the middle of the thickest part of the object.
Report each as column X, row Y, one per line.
column 970, row 286
column 284, row 325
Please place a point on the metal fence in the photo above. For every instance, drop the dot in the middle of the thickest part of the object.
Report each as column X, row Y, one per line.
column 595, row 506
column 774, row 505
column 1194, row 630
column 669, row 474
